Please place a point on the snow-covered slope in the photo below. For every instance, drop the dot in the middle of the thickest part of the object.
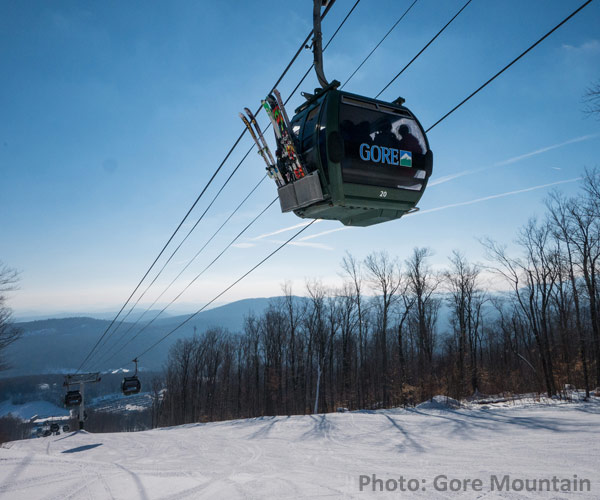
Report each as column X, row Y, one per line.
column 117, row 403
column 319, row 456
column 43, row 409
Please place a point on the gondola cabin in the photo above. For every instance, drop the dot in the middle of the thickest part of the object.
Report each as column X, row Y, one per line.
column 367, row 161
column 131, row 385
column 72, row 398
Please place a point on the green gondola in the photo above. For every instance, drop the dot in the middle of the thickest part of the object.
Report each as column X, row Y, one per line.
column 343, row 156
column 131, row 385
column 72, row 398
column 367, row 161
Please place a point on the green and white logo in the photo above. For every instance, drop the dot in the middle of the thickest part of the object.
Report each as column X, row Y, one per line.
column 405, row 158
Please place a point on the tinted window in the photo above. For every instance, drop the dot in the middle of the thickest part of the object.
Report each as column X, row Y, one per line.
column 383, row 147
column 309, row 128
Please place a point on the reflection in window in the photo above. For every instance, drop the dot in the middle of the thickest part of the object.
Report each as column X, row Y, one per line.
column 380, row 146
column 358, row 125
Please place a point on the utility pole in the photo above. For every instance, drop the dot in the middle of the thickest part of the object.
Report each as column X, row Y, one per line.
column 81, row 379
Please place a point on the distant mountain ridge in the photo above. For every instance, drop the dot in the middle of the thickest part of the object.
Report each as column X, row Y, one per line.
column 58, row 345
column 28, row 317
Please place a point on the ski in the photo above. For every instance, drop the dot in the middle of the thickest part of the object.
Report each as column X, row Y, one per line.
column 280, row 173
column 286, row 148
column 260, row 134
column 269, row 167
column 265, row 153
column 285, row 172
column 282, row 107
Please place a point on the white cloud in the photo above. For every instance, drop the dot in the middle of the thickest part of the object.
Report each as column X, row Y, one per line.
column 588, row 46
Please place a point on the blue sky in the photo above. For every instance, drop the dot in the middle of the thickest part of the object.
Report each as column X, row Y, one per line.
column 115, row 114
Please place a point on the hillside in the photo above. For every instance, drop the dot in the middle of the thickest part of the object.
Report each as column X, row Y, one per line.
column 59, row 345
column 320, row 456
column 25, row 411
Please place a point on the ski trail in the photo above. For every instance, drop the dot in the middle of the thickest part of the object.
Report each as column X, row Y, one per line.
column 33, row 482
column 105, row 486
column 138, row 484
column 69, row 492
column 19, row 469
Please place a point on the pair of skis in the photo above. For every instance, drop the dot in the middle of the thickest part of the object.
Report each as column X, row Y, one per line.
column 288, row 167
column 263, row 148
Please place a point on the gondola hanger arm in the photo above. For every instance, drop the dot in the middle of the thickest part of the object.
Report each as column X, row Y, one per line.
column 317, row 45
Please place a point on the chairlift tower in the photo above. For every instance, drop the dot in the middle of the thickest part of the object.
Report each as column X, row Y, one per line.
column 81, row 379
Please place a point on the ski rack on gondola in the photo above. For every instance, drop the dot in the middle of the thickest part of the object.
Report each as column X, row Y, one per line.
column 296, row 187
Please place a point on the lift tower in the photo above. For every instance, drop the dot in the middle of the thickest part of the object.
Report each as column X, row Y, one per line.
column 81, row 379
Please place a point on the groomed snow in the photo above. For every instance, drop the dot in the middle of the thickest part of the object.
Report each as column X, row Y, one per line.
column 315, row 456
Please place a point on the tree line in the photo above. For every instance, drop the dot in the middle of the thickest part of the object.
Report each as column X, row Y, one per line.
column 8, row 332
column 377, row 340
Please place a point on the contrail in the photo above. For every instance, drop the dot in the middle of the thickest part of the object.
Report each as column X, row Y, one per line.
column 548, row 148
column 320, row 246
column 283, row 230
column 323, row 233
column 302, row 241
column 494, row 196
column 510, row 161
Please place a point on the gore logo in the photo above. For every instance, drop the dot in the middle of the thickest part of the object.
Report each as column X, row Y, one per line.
column 381, row 154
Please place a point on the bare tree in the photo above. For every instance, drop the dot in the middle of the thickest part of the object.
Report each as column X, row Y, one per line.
column 422, row 284
column 157, row 394
column 403, row 309
column 385, row 279
column 295, row 314
column 353, row 272
column 532, row 280
column 316, row 326
column 591, row 99
column 559, row 210
column 466, row 301
column 8, row 332
column 274, row 339
column 585, row 237
column 348, row 324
